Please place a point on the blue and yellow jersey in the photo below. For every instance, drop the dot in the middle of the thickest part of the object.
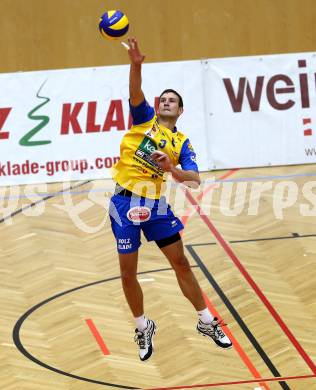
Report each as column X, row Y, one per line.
column 135, row 170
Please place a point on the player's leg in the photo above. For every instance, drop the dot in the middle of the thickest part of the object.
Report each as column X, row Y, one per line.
column 145, row 328
column 209, row 326
column 127, row 236
column 164, row 228
column 186, row 279
column 131, row 287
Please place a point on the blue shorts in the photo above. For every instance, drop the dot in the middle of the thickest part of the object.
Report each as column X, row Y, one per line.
column 130, row 215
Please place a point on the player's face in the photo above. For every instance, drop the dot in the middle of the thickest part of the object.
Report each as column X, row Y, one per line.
column 169, row 106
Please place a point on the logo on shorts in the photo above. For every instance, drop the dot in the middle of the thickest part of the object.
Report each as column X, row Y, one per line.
column 139, row 214
column 124, row 244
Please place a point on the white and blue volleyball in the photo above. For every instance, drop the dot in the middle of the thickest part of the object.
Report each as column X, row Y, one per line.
column 113, row 24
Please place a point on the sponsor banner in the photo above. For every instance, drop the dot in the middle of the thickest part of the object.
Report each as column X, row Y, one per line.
column 62, row 125
column 67, row 124
column 261, row 110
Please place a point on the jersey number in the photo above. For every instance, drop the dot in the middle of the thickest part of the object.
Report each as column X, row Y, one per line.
column 162, row 143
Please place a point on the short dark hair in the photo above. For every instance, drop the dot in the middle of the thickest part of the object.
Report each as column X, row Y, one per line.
column 176, row 93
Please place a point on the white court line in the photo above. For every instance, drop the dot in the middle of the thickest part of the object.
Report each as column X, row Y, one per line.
column 146, row 280
column 25, row 236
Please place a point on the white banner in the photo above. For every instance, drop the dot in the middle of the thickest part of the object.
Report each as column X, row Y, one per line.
column 261, row 110
column 67, row 124
column 238, row 112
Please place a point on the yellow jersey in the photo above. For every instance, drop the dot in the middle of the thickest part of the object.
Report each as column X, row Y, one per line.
column 135, row 170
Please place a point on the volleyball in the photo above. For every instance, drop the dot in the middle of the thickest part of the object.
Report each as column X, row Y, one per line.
column 113, row 24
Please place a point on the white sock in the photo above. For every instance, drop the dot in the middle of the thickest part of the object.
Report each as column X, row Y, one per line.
column 205, row 316
column 141, row 322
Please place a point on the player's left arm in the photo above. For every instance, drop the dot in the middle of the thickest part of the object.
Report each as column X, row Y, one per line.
column 189, row 174
column 189, row 178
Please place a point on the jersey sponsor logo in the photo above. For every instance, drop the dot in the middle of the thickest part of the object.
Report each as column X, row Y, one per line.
column 141, row 169
column 151, row 132
column 148, row 166
column 144, row 151
column 190, row 147
column 139, row 214
column 147, row 146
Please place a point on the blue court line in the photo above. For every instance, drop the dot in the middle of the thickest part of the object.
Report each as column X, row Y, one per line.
column 110, row 189
column 262, row 178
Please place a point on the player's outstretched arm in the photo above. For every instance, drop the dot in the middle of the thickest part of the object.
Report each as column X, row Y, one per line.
column 135, row 76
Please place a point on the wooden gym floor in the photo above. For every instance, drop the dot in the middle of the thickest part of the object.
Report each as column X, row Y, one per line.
column 65, row 323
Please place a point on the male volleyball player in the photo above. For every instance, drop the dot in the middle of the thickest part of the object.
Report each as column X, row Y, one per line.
column 152, row 147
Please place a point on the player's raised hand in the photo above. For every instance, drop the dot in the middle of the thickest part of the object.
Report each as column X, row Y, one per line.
column 163, row 160
column 134, row 53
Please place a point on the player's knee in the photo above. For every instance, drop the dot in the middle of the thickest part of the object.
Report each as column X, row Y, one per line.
column 128, row 277
column 181, row 265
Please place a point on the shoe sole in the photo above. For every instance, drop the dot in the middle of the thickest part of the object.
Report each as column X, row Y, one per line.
column 209, row 337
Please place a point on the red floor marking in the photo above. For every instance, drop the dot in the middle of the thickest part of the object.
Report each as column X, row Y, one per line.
column 236, row 345
column 277, row 379
column 252, row 283
column 188, row 212
column 98, row 337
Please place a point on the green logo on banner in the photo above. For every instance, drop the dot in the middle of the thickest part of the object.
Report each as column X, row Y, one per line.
column 26, row 140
